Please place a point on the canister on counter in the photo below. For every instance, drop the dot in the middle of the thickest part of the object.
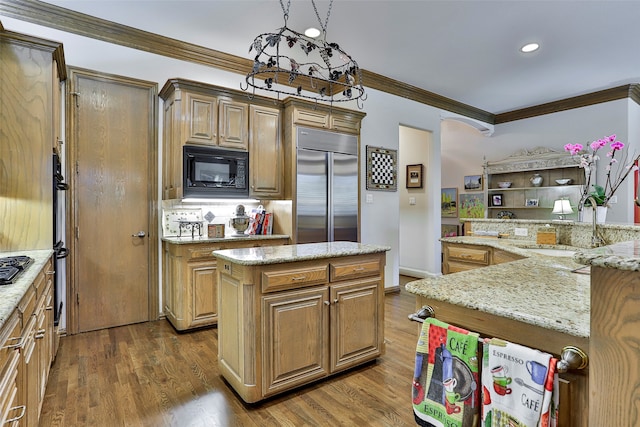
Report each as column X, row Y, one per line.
column 215, row 230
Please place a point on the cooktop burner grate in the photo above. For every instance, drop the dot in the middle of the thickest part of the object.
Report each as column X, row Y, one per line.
column 11, row 267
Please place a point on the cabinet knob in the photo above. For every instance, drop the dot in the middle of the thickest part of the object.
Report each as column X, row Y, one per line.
column 327, row 303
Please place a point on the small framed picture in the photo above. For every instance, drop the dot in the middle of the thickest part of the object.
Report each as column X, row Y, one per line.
column 496, row 200
column 414, row 176
column 449, row 202
column 532, row 203
column 473, row 182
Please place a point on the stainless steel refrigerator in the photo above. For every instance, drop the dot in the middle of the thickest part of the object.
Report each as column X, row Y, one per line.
column 327, row 186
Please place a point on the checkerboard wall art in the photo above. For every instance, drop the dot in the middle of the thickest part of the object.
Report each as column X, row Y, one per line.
column 382, row 169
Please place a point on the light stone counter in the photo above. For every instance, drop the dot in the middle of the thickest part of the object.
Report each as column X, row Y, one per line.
column 205, row 239
column 293, row 253
column 10, row 295
column 620, row 256
column 540, row 290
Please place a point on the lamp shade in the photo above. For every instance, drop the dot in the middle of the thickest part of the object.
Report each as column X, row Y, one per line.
column 562, row 207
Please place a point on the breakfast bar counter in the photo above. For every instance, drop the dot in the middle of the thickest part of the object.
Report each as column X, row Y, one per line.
column 291, row 315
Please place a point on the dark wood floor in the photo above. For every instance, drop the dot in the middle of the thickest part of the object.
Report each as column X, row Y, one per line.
column 149, row 375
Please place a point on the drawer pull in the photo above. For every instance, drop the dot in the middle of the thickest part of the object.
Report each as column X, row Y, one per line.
column 23, row 410
column 358, row 269
column 298, row 278
column 50, row 273
column 49, row 308
column 17, row 345
column 41, row 333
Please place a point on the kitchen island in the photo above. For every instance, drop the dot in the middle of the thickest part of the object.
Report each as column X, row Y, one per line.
column 538, row 301
column 291, row 315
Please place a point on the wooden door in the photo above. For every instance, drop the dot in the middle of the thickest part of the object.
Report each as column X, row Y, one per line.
column 114, row 185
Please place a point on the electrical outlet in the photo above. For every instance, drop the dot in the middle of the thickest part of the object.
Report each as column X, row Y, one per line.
column 412, row 200
column 369, row 198
column 613, row 199
column 520, row 232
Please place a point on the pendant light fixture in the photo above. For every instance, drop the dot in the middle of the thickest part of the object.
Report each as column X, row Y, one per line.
column 289, row 63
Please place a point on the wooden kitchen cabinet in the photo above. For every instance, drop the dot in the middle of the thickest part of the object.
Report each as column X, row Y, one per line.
column 286, row 325
column 203, row 114
column 190, row 285
column 26, row 352
column 29, row 81
column 305, row 113
column 265, row 153
column 461, row 257
column 574, row 385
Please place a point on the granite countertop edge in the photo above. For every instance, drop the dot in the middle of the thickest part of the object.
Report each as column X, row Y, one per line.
column 509, row 289
column 10, row 295
column 266, row 255
column 205, row 239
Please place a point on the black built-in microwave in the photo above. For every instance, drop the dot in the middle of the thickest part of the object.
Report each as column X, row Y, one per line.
column 215, row 173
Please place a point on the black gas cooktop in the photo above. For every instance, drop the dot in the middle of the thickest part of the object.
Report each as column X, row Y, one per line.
column 11, row 267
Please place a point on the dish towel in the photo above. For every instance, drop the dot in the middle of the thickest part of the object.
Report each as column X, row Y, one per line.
column 446, row 380
column 519, row 386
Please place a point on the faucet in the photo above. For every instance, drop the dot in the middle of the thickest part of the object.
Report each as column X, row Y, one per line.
column 596, row 239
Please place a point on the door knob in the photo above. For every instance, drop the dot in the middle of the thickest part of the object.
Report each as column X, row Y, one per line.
column 140, row 234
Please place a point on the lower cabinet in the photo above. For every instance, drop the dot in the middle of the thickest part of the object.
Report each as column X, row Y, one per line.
column 190, row 286
column 26, row 353
column 462, row 257
column 286, row 325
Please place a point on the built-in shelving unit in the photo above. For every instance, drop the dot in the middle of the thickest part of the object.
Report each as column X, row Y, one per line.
column 522, row 198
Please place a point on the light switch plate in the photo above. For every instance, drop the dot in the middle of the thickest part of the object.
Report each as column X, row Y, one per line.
column 369, row 198
column 412, row 200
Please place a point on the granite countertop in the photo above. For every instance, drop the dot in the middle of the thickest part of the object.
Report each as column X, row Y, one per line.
column 205, row 239
column 10, row 295
column 290, row 253
column 621, row 256
column 539, row 290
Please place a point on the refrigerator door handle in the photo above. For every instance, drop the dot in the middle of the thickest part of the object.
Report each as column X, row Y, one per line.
column 330, row 208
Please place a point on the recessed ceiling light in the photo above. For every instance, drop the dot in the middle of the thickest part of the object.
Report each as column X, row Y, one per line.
column 529, row 47
column 312, row 32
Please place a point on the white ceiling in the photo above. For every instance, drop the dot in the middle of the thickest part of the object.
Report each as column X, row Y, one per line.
column 465, row 50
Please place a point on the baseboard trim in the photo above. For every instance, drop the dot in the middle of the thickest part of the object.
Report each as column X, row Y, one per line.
column 413, row 272
column 392, row 289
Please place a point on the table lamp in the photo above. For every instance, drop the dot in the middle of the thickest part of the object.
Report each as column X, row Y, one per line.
column 562, row 208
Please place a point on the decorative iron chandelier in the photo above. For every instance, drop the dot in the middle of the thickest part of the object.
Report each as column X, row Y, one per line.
column 290, row 63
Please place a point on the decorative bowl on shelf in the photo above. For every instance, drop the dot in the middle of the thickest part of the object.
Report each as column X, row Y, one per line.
column 504, row 184
column 563, row 181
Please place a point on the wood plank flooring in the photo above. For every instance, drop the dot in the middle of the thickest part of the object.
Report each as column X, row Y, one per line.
column 147, row 374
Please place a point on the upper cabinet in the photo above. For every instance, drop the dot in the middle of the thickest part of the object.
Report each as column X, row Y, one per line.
column 305, row 113
column 202, row 114
column 30, row 76
column 526, row 184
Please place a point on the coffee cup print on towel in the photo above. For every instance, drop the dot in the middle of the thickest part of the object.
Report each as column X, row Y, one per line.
column 451, row 397
column 501, row 380
column 537, row 371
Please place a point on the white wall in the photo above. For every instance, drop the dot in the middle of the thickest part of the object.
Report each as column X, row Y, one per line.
column 464, row 148
column 414, row 149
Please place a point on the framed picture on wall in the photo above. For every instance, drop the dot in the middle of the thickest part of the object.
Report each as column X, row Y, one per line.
column 449, row 202
column 471, row 205
column 414, row 176
column 473, row 182
column 382, row 169
column 496, row 200
column 532, row 203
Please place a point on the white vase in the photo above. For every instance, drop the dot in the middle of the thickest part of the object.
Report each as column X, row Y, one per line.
column 587, row 214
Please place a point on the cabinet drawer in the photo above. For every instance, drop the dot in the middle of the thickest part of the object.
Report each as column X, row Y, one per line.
column 10, row 341
column 311, row 118
column 478, row 256
column 9, row 391
column 351, row 269
column 27, row 304
column 292, row 278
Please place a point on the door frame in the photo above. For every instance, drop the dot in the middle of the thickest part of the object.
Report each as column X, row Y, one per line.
column 152, row 192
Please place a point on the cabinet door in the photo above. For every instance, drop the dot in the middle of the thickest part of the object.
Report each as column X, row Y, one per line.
column 319, row 119
column 201, row 119
column 296, row 335
column 172, row 150
column 234, row 125
column 173, row 289
column 357, row 322
column 204, row 292
column 265, row 153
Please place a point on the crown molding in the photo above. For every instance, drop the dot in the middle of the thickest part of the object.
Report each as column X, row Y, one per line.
column 48, row 15
column 620, row 92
